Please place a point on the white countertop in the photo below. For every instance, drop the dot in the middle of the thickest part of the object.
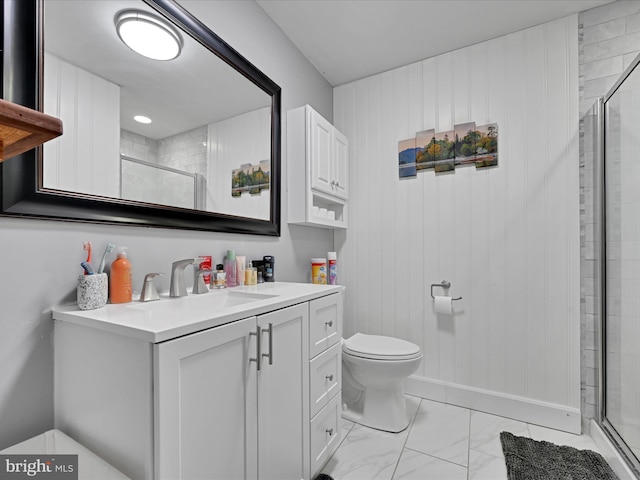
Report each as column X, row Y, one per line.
column 168, row 318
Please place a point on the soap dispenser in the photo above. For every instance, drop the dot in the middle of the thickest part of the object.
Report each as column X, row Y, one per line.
column 230, row 268
column 120, row 284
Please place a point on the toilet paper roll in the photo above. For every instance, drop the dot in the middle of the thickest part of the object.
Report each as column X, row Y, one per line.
column 443, row 305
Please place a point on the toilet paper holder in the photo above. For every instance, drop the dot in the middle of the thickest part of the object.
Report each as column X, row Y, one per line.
column 445, row 285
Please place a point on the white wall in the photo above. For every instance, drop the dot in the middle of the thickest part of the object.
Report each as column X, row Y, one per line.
column 40, row 259
column 507, row 238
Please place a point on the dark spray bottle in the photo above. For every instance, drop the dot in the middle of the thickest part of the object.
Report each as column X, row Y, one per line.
column 269, row 268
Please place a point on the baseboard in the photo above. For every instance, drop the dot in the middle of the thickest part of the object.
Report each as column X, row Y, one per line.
column 610, row 453
column 550, row 415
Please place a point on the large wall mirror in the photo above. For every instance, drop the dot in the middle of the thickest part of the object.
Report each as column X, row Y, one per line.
column 191, row 140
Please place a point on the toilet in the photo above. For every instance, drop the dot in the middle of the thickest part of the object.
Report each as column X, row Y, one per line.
column 373, row 370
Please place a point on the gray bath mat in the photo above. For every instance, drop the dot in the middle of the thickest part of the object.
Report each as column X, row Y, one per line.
column 529, row 459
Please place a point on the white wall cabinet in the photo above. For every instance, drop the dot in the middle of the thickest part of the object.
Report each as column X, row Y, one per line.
column 232, row 402
column 317, row 168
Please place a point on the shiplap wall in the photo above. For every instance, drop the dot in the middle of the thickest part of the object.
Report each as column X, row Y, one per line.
column 507, row 238
column 233, row 142
column 89, row 107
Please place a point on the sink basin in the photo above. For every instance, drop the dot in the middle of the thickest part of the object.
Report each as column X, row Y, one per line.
column 213, row 301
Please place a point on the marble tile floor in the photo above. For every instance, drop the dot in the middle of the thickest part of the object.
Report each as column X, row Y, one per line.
column 442, row 442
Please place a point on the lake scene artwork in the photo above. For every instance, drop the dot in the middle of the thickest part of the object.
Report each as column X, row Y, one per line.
column 407, row 158
column 466, row 144
column 487, row 146
column 466, row 136
column 251, row 179
column 425, row 155
column 445, row 152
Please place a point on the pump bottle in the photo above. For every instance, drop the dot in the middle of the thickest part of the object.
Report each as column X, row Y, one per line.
column 120, row 284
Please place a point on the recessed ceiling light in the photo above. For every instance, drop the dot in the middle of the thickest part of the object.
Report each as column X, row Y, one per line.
column 142, row 119
column 148, row 34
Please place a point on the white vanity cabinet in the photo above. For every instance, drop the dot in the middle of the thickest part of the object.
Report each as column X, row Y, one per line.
column 317, row 169
column 245, row 399
column 216, row 412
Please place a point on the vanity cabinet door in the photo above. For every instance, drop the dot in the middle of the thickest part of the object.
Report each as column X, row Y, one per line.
column 328, row 152
column 321, row 152
column 205, row 404
column 340, row 165
column 282, row 394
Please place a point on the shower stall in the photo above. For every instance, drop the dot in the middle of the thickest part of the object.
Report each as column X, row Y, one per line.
column 616, row 135
column 158, row 184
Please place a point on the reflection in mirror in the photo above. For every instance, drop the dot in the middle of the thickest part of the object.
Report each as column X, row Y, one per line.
column 207, row 147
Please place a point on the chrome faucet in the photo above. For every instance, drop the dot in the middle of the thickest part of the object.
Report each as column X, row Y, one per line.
column 149, row 291
column 198, row 280
column 178, row 287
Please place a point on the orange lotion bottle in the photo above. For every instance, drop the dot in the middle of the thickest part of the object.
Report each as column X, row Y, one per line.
column 120, row 284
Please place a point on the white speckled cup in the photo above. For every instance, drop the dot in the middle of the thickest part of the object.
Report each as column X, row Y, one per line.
column 92, row 291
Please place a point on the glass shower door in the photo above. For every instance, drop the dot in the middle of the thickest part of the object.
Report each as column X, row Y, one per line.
column 621, row 326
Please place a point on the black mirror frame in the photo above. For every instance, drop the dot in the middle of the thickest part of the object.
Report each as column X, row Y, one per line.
column 21, row 194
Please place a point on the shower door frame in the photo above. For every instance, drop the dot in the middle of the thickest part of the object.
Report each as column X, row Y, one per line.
column 600, row 158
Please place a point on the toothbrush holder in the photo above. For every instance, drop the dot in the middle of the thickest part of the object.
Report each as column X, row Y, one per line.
column 92, row 291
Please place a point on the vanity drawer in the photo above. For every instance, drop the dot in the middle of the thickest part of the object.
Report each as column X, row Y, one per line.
column 325, row 327
column 325, row 434
column 325, row 377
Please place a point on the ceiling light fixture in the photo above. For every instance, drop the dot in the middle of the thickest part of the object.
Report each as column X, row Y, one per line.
column 142, row 119
column 148, row 35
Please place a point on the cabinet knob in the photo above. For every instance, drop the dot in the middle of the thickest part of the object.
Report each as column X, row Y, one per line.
column 329, row 323
column 329, row 431
column 329, row 377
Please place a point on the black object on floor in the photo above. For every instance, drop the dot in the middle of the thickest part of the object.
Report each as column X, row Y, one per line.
column 529, row 459
column 323, row 476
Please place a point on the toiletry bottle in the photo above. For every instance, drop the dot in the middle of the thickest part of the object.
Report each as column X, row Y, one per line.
column 240, row 268
column 219, row 277
column 319, row 271
column 269, row 268
column 230, row 268
column 120, row 284
column 250, row 275
column 206, row 264
column 332, row 258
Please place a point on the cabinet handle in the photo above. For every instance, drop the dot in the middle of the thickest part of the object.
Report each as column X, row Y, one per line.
column 329, row 377
column 329, row 323
column 258, row 358
column 329, row 431
column 270, row 354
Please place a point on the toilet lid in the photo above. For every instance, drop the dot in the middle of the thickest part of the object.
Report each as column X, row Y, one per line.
column 379, row 347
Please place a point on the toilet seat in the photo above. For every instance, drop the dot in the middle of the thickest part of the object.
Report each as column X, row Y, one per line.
column 377, row 347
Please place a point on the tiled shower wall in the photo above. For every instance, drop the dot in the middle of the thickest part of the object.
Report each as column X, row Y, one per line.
column 609, row 40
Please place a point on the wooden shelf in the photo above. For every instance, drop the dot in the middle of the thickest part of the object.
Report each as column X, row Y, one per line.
column 23, row 128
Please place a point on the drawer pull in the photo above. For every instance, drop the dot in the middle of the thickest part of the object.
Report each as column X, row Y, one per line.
column 329, row 323
column 329, row 431
column 329, row 377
